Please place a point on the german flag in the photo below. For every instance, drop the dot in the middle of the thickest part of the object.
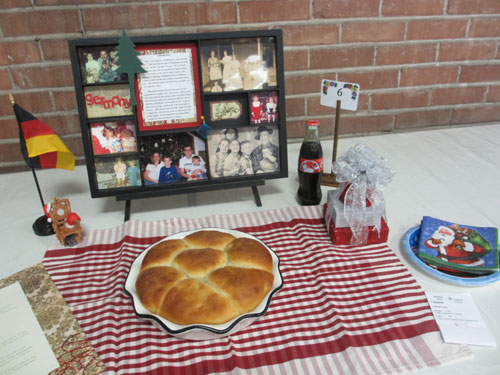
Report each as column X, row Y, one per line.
column 40, row 146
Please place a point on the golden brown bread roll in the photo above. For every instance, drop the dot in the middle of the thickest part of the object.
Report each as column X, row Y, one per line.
column 153, row 284
column 250, row 253
column 245, row 287
column 199, row 262
column 162, row 253
column 191, row 301
column 208, row 238
column 209, row 277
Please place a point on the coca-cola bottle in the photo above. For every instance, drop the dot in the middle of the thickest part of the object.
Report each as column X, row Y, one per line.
column 310, row 166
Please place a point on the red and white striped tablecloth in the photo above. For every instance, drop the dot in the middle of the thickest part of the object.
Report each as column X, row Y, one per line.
column 342, row 310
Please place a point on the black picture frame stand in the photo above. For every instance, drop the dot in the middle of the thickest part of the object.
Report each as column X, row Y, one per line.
column 129, row 197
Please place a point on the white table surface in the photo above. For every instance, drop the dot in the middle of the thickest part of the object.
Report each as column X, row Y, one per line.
column 453, row 174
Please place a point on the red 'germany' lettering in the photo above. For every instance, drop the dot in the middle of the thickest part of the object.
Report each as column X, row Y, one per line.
column 115, row 101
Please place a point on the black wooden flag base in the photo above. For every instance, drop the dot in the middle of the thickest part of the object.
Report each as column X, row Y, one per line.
column 42, row 227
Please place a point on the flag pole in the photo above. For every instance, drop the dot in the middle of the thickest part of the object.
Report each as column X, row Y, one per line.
column 38, row 187
column 41, row 226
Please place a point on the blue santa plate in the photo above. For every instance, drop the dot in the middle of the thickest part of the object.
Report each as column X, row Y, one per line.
column 410, row 241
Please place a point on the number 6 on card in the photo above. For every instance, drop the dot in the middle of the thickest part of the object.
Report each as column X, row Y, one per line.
column 347, row 93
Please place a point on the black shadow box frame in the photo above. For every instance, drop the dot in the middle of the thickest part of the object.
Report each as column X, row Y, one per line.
column 228, row 70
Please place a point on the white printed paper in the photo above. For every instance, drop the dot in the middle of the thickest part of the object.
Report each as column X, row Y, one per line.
column 459, row 319
column 23, row 346
column 168, row 91
column 347, row 93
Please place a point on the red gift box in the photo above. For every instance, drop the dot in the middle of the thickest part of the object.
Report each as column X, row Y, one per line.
column 343, row 235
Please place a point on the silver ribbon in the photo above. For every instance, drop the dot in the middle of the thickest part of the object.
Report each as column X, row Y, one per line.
column 362, row 174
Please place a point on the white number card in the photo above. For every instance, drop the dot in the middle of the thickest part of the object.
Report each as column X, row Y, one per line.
column 347, row 93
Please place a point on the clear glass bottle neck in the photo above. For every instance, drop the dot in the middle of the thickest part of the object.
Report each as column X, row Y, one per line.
column 311, row 134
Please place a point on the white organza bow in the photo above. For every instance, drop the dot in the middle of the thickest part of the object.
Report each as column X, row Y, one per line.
column 362, row 174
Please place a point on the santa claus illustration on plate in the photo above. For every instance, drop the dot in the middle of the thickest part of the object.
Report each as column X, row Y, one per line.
column 459, row 245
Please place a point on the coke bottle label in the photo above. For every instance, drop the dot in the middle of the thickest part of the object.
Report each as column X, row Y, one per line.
column 311, row 165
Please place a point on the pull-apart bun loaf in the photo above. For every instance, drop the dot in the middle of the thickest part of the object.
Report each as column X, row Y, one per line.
column 209, row 277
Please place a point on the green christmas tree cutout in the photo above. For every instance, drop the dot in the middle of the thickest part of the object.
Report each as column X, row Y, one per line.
column 129, row 63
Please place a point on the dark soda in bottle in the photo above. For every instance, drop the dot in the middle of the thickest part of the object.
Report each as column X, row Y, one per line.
column 310, row 166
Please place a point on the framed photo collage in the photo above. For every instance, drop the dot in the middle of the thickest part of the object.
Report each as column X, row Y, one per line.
column 204, row 111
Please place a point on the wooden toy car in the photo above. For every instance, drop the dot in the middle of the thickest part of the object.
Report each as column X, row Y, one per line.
column 66, row 223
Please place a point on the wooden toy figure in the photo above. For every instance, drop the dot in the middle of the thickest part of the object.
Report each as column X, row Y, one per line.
column 66, row 223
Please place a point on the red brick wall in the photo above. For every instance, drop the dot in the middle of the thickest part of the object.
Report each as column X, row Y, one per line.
column 426, row 63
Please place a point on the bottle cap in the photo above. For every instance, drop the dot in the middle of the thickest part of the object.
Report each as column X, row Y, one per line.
column 312, row 123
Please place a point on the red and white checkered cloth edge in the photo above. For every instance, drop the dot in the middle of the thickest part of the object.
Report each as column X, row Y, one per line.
column 342, row 310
